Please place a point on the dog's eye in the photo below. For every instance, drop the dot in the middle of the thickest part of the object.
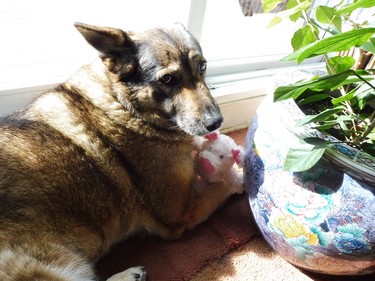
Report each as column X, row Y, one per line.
column 202, row 66
column 168, row 79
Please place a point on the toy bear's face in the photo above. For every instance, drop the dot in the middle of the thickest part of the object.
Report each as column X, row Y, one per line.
column 221, row 153
column 218, row 155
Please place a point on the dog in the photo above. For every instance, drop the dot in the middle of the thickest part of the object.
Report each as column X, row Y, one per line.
column 105, row 155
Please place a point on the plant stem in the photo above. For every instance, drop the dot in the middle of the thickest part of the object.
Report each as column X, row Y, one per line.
column 364, row 80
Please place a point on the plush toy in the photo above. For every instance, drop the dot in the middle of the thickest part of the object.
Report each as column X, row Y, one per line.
column 216, row 156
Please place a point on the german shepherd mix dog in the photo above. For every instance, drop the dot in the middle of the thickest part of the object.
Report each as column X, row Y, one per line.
column 105, row 155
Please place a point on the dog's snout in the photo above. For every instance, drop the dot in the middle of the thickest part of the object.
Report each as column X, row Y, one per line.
column 213, row 123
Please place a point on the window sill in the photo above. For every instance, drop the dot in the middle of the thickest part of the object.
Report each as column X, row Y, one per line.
column 238, row 94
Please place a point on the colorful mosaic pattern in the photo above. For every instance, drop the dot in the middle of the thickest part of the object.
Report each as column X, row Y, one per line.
column 322, row 219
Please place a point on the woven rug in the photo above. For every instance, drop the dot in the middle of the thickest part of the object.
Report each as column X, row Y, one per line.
column 228, row 229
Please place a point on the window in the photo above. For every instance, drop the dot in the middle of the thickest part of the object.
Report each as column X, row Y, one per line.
column 40, row 46
column 228, row 35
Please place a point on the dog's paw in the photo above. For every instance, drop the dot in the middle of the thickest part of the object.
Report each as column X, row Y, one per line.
column 237, row 188
column 137, row 273
column 240, row 189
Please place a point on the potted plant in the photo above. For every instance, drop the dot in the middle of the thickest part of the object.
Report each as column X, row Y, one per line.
column 310, row 163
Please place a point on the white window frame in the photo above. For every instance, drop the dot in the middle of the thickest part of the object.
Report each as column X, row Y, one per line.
column 239, row 85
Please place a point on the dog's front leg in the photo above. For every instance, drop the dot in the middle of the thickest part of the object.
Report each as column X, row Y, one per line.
column 209, row 197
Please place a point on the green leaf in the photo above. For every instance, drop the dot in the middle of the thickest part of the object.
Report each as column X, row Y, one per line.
column 341, row 64
column 344, row 98
column 364, row 94
column 326, row 126
column 313, row 99
column 365, row 91
column 369, row 46
column 342, row 119
column 303, row 37
column 291, row 4
column 287, row 13
column 339, row 42
column 269, row 5
column 275, row 20
column 296, row 54
column 371, row 136
column 330, row 81
column 315, row 141
column 303, row 157
column 327, row 15
column 358, row 4
column 322, row 116
column 330, row 29
column 287, row 92
column 295, row 90
column 352, row 78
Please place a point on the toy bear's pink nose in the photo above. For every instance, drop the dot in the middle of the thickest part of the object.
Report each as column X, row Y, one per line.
column 206, row 165
column 236, row 155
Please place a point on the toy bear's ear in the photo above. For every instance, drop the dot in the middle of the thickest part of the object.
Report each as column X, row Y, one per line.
column 206, row 165
column 212, row 136
column 237, row 155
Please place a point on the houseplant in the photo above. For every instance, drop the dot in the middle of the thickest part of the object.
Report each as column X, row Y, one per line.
column 348, row 112
column 318, row 215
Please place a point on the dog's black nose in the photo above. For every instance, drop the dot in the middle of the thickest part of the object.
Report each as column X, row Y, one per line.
column 213, row 123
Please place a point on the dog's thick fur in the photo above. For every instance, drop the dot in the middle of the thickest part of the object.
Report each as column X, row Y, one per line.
column 105, row 155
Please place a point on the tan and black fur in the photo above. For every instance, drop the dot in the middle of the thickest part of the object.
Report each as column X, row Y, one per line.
column 106, row 154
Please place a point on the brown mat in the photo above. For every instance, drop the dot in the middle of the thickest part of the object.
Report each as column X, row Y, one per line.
column 230, row 227
column 226, row 247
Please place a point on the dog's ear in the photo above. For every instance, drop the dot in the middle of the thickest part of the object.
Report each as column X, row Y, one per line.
column 106, row 40
column 180, row 26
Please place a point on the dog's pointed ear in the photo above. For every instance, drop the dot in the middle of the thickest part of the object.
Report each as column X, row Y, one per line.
column 106, row 40
column 180, row 26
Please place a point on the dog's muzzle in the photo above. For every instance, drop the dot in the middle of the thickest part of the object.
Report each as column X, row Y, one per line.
column 213, row 121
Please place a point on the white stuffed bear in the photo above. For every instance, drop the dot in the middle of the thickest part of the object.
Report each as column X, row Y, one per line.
column 216, row 156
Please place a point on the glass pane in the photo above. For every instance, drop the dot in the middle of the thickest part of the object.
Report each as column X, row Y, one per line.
column 228, row 34
column 39, row 44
